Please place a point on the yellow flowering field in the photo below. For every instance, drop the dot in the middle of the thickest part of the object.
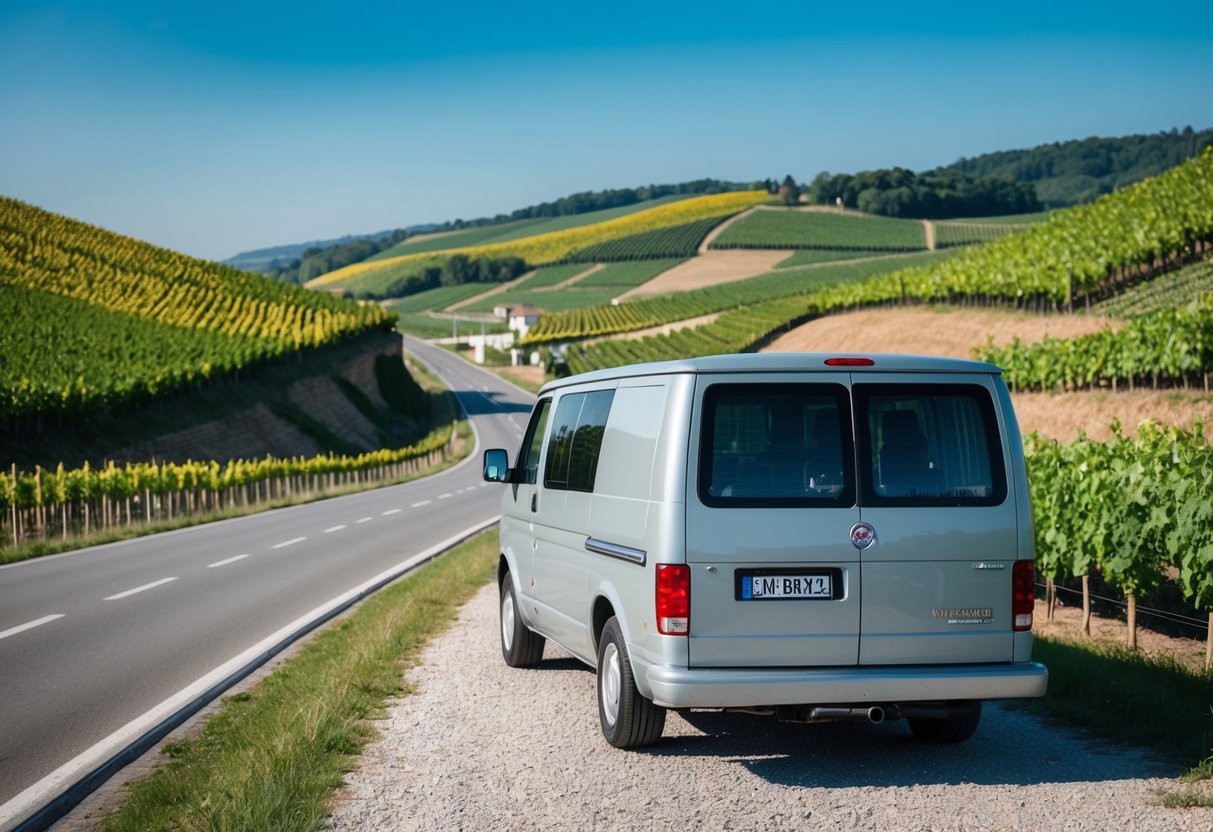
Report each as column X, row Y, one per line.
column 556, row 245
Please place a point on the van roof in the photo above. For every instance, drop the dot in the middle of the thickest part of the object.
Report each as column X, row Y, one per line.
column 782, row 362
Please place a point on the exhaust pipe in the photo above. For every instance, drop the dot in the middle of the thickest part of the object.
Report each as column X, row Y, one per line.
column 874, row 714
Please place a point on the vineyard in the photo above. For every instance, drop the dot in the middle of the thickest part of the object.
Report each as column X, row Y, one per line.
column 948, row 234
column 675, row 242
column 794, row 229
column 1174, row 345
column 1083, row 253
column 559, row 246
column 95, row 320
column 44, row 504
column 1166, row 291
column 1131, row 508
column 662, row 309
column 809, row 256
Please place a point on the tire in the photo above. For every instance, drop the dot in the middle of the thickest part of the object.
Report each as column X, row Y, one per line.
column 957, row 726
column 628, row 719
column 519, row 646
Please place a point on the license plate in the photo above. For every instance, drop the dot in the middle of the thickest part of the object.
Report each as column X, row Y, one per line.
column 772, row 587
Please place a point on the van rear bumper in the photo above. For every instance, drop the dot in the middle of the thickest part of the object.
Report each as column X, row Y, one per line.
column 741, row 687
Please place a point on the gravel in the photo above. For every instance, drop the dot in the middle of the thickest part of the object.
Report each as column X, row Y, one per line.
column 479, row 745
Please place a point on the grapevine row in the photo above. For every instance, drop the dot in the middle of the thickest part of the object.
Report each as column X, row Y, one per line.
column 44, row 503
column 1132, row 507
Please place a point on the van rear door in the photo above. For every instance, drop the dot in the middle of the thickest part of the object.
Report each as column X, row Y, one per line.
column 933, row 486
column 770, row 507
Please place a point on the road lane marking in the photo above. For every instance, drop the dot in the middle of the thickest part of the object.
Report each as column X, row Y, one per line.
column 365, row 519
column 225, row 562
column 422, row 503
column 332, row 529
column 142, row 733
column 21, row 628
column 139, row 589
column 444, row 496
column 391, row 511
column 290, row 542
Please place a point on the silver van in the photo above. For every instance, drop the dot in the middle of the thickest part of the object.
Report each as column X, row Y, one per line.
column 807, row 536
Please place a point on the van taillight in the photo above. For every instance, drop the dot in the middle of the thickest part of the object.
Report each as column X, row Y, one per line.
column 846, row 361
column 673, row 599
column 1023, row 593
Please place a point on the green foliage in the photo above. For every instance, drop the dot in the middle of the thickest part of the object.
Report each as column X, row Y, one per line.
column 898, row 192
column 1131, row 507
column 1174, row 344
column 821, row 230
column 1167, row 291
column 676, row 242
column 661, row 309
column 97, row 321
column 456, row 270
column 1069, row 173
column 949, row 234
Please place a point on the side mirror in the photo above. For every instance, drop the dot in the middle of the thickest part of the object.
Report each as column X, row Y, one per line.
column 496, row 465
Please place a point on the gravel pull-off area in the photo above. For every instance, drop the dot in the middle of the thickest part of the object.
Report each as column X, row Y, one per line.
column 483, row 746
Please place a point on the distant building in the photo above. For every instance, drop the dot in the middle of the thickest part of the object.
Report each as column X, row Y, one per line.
column 521, row 318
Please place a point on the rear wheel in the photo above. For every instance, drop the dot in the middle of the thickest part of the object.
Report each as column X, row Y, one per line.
column 957, row 726
column 628, row 719
column 519, row 646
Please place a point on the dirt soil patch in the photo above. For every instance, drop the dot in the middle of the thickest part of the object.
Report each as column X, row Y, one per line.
column 711, row 269
column 955, row 332
column 1067, row 621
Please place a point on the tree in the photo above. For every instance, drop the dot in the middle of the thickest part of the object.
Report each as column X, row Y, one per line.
column 789, row 191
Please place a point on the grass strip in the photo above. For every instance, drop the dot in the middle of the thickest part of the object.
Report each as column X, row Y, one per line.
column 271, row 757
column 1129, row 696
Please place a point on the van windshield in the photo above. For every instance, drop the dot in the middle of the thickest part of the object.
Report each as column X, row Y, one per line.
column 776, row 444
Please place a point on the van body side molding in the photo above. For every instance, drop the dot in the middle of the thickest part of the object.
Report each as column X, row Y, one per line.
column 614, row 550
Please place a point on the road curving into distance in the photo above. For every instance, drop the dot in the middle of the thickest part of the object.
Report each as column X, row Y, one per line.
column 99, row 645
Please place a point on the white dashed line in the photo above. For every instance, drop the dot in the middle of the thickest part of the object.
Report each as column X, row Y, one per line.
column 21, row 628
column 225, row 562
column 444, row 496
column 290, row 542
column 332, row 529
column 139, row 589
column 365, row 519
column 422, row 503
column 391, row 511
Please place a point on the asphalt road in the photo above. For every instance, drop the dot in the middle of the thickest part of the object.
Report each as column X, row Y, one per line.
column 94, row 639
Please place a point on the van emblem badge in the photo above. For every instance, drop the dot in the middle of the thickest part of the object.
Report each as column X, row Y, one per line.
column 863, row 535
column 986, row 564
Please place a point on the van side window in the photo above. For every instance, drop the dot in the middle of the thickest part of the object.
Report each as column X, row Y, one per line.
column 528, row 457
column 577, row 430
column 776, row 445
column 929, row 445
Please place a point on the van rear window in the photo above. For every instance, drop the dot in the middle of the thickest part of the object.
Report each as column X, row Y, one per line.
column 776, row 445
column 928, row 445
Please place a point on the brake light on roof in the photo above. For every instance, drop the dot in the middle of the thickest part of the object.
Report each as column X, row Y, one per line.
column 1023, row 594
column 673, row 599
column 856, row 361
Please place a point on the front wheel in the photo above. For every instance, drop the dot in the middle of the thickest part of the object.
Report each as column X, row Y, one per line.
column 957, row 726
column 628, row 719
column 519, row 646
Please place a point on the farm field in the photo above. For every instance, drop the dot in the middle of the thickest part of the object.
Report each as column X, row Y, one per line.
column 957, row 333
column 710, row 269
column 555, row 246
column 810, row 256
column 795, row 229
column 518, row 229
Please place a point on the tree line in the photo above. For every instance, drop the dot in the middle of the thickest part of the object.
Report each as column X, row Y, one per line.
column 457, row 270
column 898, row 192
column 1073, row 172
column 317, row 261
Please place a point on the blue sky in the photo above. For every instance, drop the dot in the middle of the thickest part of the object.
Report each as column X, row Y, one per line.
column 220, row 127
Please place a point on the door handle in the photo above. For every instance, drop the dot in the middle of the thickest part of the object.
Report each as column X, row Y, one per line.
column 534, row 502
